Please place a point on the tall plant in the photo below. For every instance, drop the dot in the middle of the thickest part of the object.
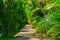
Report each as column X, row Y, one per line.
column 12, row 17
column 45, row 17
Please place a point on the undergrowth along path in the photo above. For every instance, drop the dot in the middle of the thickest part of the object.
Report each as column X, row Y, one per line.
column 27, row 33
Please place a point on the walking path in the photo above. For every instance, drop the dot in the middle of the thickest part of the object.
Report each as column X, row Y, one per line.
column 27, row 33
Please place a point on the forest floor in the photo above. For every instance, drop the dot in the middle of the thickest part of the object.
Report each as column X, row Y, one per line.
column 27, row 33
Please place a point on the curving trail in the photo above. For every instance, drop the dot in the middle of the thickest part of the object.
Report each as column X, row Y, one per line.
column 27, row 33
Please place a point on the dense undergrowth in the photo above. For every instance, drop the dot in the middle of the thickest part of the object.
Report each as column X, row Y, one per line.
column 45, row 18
column 12, row 17
column 43, row 15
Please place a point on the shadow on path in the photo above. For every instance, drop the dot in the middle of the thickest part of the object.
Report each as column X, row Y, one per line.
column 26, row 34
column 21, row 38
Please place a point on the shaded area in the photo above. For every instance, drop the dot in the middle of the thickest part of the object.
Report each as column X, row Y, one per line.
column 21, row 38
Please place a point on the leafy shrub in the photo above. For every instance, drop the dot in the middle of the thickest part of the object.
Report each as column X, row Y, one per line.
column 46, row 16
column 12, row 17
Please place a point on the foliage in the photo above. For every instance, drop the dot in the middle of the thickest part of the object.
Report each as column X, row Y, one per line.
column 45, row 18
column 43, row 15
column 6, row 38
column 12, row 17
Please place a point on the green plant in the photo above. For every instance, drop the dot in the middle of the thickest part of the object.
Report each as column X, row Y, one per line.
column 12, row 17
column 43, row 15
column 46, row 15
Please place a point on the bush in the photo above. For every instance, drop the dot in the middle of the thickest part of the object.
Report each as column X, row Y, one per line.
column 12, row 17
column 46, row 18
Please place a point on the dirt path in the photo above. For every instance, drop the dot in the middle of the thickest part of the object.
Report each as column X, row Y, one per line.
column 26, row 34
